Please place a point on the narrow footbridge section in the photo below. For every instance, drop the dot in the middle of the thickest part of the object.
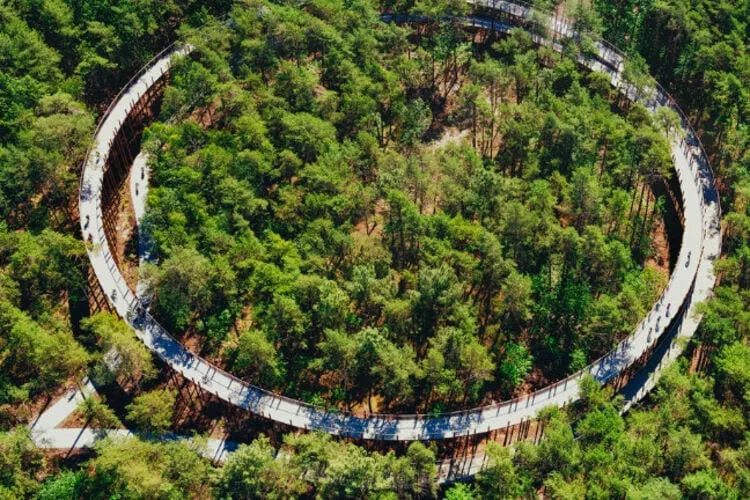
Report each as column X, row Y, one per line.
column 656, row 336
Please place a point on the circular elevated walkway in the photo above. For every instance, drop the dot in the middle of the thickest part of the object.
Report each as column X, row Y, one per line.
column 691, row 281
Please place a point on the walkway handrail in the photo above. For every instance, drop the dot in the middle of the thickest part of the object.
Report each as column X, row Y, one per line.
column 510, row 8
column 138, row 74
column 159, row 55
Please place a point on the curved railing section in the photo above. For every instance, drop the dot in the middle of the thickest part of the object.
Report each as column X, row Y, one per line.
column 696, row 185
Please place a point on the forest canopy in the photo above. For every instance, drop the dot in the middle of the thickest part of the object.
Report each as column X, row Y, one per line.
column 393, row 215
column 480, row 148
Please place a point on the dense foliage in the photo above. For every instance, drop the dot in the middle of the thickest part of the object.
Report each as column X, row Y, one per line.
column 53, row 54
column 653, row 453
column 376, row 210
column 62, row 59
column 311, row 464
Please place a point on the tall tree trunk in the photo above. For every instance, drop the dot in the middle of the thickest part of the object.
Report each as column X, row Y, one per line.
column 647, row 219
column 638, row 213
column 632, row 203
column 603, row 160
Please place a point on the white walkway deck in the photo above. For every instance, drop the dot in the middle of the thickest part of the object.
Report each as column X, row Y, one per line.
column 45, row 434
column 139, row 182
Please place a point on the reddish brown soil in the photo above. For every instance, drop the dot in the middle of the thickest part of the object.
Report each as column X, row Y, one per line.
column 28, row 411
column 126, row 246
column 74, row 421
column 660, row 260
